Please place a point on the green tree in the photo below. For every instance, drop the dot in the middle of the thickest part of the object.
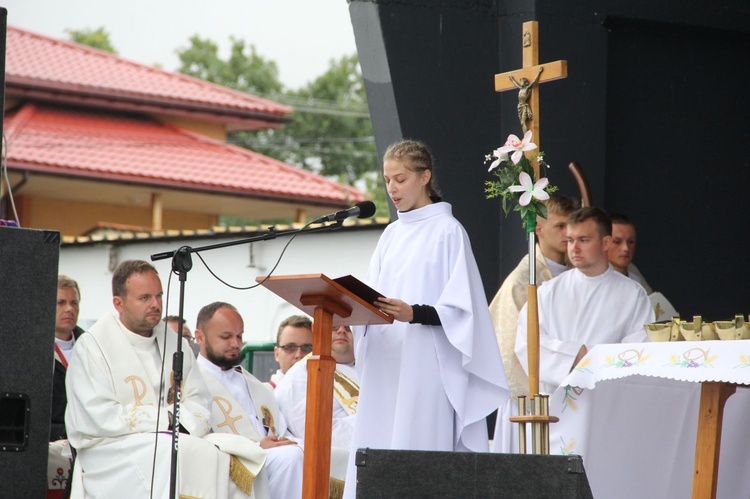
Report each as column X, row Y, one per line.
column 330, row 133
column 97, row 38
column 245, row 70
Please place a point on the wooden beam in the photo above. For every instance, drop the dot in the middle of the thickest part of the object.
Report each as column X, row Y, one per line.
column 157, row 211
column 552, row 71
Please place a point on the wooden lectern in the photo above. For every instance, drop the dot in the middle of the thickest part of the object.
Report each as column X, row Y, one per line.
column 330, row 305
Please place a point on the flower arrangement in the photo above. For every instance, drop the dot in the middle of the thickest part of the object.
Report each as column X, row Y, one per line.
column 514, row 181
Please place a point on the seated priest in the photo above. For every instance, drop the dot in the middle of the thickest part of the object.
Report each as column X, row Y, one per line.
column 586, row 306
column 120, row 407
column 242, row 404
column 292, row 397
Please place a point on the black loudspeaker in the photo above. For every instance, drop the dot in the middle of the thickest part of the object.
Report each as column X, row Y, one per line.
column 464, row 475
column 28, row 293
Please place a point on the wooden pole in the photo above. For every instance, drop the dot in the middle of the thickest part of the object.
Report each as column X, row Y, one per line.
column 532, row 339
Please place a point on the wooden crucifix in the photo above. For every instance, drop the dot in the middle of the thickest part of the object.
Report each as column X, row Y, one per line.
column 525, row 79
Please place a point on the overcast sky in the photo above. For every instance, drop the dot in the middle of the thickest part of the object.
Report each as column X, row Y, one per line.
column 300, row 35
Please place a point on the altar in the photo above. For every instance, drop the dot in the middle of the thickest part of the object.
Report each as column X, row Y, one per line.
column 631, row 411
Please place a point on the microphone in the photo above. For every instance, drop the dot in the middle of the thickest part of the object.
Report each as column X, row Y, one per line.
column 365, row 209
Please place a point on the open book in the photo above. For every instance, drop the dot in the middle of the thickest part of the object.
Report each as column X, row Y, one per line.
column 359, row 288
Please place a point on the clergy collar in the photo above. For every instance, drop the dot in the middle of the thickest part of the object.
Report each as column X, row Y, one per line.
column 66, row 344
column 555, row 268
column 136, row 339
column 424, row 212
column 600, row 277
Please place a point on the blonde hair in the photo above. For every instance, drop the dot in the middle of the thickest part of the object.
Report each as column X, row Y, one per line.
column 64, row 281
column 417, row 157
column 561, row 205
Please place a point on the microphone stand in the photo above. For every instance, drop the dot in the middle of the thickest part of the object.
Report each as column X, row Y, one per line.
column 181, row 265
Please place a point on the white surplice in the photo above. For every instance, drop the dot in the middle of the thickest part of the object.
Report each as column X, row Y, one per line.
column 576, row 310
column 427, row 387
column 243, row 405
column 115, row 408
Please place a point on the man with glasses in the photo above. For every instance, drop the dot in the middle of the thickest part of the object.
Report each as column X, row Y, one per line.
column 293, row 341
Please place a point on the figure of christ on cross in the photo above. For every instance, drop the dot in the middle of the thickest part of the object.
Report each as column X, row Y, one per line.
column 524, row 93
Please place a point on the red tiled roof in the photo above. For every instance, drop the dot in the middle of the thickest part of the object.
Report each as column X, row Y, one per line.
column 45, row 68
column 137, row 149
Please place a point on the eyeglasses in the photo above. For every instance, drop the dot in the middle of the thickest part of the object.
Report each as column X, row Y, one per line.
column 307, row 348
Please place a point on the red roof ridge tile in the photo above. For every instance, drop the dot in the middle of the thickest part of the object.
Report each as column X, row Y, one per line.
column 23, row 115
column 192, row 90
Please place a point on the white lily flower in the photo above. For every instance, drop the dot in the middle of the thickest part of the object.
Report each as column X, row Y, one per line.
column 516, row 146
column 500, row 157
column 530, row 190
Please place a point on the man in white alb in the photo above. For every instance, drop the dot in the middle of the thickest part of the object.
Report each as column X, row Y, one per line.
column 120, row 405
column 292, row 397
column 586, row 306
column 242, row 404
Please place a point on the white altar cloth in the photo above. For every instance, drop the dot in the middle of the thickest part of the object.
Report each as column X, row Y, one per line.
column 631, row 411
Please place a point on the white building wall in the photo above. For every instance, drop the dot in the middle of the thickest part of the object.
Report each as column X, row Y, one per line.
column 331, row 253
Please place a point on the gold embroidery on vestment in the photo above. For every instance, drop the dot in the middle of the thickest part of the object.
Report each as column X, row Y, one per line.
column 346, row 391
column 137, row 382
column 227, row 411
column 240, row 475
